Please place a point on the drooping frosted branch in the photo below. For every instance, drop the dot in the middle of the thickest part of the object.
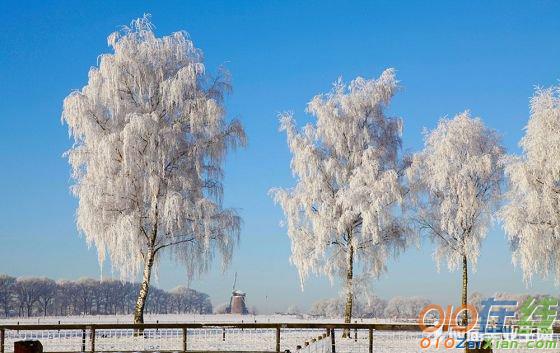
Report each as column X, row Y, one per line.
column 531, row 217
column 150, row 141
column 455, row 186
column 347, row 193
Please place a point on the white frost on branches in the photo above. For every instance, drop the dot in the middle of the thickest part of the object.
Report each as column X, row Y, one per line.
column 347, row 195
column 150, row 141
column 531, row 218
column 455, row 185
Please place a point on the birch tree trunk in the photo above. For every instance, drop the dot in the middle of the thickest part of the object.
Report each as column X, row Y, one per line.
column 148, row 264
column 465, row 319
column 144, row 288
column 349, row 287
column 465, row 290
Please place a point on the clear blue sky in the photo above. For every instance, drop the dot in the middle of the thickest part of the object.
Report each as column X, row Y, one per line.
column 486, row 56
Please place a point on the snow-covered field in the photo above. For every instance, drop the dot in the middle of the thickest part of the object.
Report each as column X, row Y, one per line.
column 212, row 338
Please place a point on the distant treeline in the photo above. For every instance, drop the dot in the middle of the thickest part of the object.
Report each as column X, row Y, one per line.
column 33, row 296
column 403, row 308
column 371, row 307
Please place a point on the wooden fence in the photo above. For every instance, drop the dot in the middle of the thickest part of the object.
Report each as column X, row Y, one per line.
column 88, row 336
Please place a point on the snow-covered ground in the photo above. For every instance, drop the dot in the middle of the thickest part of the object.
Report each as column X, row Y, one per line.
column 212, row 338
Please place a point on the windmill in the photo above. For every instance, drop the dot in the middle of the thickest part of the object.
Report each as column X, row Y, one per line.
column 237, row 302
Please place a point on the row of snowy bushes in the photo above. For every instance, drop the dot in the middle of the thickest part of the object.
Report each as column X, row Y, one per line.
column 399, row 307
column 35, row 296
column 372, row 307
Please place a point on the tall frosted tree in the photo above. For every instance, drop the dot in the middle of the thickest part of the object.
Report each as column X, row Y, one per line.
column 345, row 206
column 531, row 217
column 455, row 185
column 150, row 141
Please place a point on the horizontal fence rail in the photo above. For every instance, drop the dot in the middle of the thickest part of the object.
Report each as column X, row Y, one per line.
column 248, row 325
column 308, row 337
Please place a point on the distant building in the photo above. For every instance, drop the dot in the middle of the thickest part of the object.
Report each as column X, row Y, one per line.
column 237, row 303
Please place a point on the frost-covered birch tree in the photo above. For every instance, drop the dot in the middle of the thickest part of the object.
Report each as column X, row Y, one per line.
column 455, row 185
column 344, row 208
column 150, row 140
column 531, row 217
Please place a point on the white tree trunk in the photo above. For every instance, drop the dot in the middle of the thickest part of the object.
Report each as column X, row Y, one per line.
column 144, row 288
column 349, row 287
column 464, row 294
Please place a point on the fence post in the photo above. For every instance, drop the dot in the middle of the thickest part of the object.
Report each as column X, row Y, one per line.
column 224, row 334
column 370, row 340
column 92, row 333
column 184, row 339
column 2, row 333
column 83, row 340
column 278, row 339
column 333, row 343
column 356, row 332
